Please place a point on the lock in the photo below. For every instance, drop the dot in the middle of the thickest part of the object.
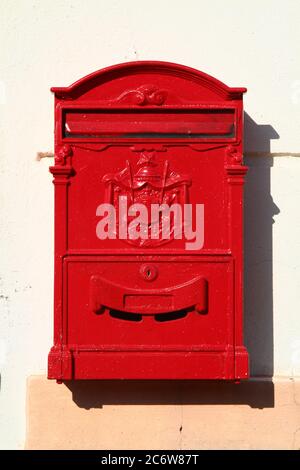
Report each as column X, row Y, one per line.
column 149, row 272
column 148, row 180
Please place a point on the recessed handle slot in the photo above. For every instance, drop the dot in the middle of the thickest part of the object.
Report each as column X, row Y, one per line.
column 107, row 294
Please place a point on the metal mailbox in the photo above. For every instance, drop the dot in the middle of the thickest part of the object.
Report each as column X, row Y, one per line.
column 148, row 182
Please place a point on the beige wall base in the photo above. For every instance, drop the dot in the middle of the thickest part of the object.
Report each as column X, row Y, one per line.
column 258, row 414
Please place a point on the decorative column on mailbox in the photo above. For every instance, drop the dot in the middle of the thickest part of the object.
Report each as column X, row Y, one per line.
column 148, row 182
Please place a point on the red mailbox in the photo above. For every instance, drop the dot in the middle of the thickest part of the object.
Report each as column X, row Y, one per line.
column 148, row 182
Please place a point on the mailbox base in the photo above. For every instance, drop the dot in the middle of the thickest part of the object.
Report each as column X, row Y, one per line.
column 105, row 365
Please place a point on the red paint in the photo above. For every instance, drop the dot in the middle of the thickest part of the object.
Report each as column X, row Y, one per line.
column 157, row 132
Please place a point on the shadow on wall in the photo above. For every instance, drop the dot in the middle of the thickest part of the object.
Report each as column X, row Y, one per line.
column 258, row 246
column 259, row 212
column 96, row 394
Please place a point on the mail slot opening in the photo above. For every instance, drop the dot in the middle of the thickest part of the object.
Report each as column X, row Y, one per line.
column 127, row 316
column 171, row 316
column 160, row 317
column 125, row 124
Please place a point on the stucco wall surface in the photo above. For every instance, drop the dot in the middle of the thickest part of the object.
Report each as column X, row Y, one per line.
column 53, row 42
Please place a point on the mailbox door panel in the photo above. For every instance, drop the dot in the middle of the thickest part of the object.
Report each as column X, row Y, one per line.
column 111, row 303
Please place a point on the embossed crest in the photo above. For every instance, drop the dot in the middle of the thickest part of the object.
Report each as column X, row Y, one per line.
column 148, row 183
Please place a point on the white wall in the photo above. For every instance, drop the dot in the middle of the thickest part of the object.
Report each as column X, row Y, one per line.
column 55, row 42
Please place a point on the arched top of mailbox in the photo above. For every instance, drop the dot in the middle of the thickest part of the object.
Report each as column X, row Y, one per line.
column 148, row 83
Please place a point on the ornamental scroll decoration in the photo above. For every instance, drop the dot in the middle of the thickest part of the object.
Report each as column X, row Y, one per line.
column 234, row 157
column 62, row 155
column 145, row 95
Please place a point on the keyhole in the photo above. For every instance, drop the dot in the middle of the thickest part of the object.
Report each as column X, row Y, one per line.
column 148, row 272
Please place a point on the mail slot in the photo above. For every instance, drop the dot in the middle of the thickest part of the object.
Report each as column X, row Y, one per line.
column 148, row 180
column 193, row 124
